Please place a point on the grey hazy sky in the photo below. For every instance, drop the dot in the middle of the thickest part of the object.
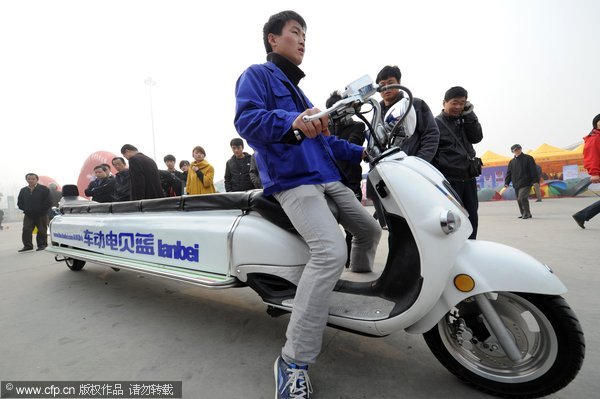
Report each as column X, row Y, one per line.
column 72, row 72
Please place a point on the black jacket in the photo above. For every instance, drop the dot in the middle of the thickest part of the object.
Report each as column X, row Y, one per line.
column 457, row 136
column 34, row 203
column 122, row 186
column 254, row 174
column 353, row 132
column 424, row 141
column 237, row 174
column 521, row 171
column 144, row 177
column 101, row 190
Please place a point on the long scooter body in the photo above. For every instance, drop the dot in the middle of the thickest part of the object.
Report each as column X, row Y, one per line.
column 226, row 240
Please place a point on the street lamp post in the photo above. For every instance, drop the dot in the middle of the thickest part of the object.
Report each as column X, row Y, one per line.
column 149, row 82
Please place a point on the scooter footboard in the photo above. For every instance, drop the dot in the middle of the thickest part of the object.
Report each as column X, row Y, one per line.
column 493, row 267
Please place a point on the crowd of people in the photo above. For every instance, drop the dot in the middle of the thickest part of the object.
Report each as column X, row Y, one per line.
column 270, row 107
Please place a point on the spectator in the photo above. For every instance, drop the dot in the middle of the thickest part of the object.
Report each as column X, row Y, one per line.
column 237, row 169
column 184, row 165
column 522, row 172
column 171, row 180
column 200, row 181
column 424, row 141
column 102, row 189
column 591, row 161
column 1, row 219
column 459, row 130
column 143, row 174
column 122, row 180
column 55, row 197
column 345, row 128
column 34, row 201
column 253, row 172
column 269, row 108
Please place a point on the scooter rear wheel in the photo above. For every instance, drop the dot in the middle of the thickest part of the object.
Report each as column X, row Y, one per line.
column 75, row 264
column 544, row 328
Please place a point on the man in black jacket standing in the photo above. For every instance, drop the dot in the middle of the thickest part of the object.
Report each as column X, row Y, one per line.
column 122, row 182
column 34, row 201
column 459, row 130
column 237, row 169
column 523, row 173
column 143, row 173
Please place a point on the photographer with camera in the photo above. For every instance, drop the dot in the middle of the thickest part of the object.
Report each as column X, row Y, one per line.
column 455, row 156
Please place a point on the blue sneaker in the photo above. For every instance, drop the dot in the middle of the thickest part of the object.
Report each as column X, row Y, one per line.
column 291, row 381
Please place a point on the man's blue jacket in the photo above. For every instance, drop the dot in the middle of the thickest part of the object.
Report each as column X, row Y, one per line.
column 267, row 103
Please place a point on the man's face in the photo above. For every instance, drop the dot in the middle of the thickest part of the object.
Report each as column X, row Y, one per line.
column 198, row 156
column 31, row 180
column 118, row 164
column 290, row 43
column 185, row 167
column 517, row 152
column 170, row 165
column 100, row 173
column 389, row 96
column 127, row 154
column 238, row 151
column 455, row 106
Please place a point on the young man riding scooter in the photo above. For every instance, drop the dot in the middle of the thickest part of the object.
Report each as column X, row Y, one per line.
column 269, row 111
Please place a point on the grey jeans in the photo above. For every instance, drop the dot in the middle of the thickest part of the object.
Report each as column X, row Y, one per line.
column 307, row 209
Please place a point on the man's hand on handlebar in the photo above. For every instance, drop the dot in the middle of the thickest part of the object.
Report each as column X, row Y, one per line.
column 313, row 128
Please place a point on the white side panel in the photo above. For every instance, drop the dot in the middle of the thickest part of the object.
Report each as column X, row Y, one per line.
column 191, row 240
column 259, row 242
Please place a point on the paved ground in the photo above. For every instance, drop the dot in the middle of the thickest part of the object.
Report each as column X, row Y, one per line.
column 101, row 325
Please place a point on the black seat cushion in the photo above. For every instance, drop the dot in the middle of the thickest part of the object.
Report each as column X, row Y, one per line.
column 162, row 204
column 100, row 208
column 218, row 201
column 126, row 207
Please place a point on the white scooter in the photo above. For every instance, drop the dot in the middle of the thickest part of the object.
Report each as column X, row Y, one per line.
column 491, row 314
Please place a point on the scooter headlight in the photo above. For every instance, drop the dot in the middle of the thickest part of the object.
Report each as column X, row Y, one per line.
column 449, row 222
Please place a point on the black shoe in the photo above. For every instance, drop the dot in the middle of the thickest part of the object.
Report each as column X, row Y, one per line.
column 527, row 217
column 538, row 201
column 521, row 217
column 25, row 249
column 579, row 222
column 41, row 248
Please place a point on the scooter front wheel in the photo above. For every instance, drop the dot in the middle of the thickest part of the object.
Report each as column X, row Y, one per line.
column 545, row 330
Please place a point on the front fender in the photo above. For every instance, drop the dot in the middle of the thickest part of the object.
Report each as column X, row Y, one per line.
column 494, row 267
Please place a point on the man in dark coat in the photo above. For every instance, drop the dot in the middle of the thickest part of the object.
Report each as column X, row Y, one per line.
column 103, row 188
column 34, row 201
column 345, row 128
column 424, row 141
column 143, row 173
column 237, row 169
column 122, row 180
column 459, row 130
column 523, row 173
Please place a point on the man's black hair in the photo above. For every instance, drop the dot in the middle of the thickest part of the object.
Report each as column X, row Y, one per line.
column 334, row 97
column 276, row 23
column 101, row 166
column 236, row 142
column 32, row 174
column 387, row 72
column 120, row 159
column 183, row 162
column 127, row 147
column 169, row 157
